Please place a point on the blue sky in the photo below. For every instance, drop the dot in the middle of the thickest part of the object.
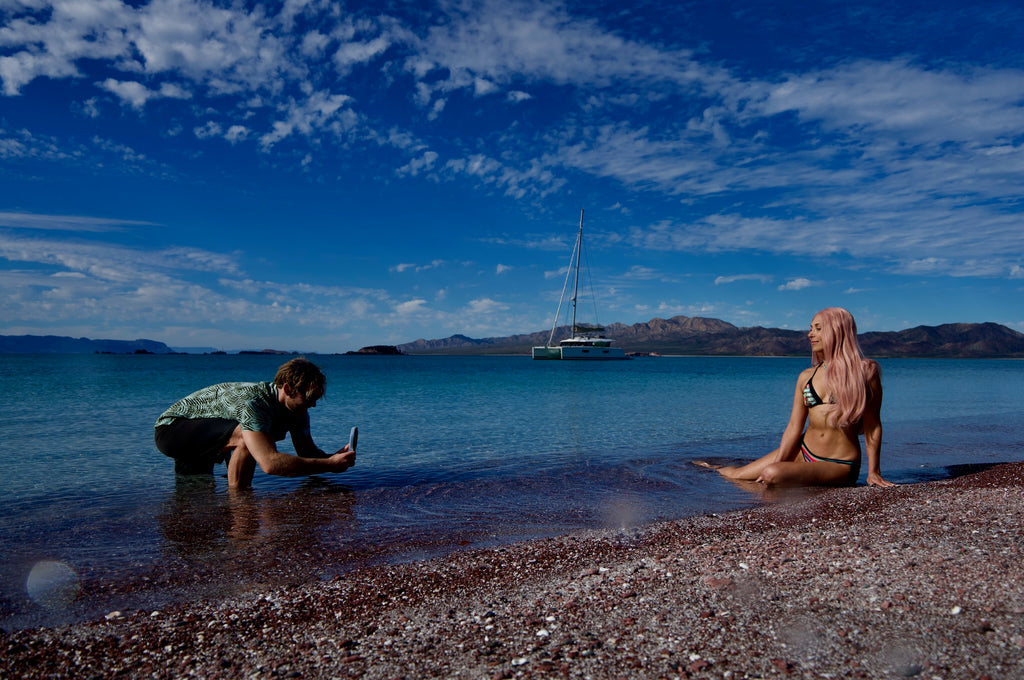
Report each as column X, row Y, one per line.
column 320, row 176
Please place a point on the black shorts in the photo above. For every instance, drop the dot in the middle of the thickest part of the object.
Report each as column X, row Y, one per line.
column 196, row 445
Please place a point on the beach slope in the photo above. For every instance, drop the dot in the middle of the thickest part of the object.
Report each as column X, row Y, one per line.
column 921, row 580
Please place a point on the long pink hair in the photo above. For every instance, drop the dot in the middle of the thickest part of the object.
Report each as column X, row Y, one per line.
column 847, row 371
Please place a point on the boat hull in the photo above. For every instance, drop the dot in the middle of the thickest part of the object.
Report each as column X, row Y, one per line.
column 579, row 353
column 592, row 353
column 547, row 353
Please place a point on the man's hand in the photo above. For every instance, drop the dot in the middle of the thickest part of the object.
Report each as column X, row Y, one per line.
column 343, row 459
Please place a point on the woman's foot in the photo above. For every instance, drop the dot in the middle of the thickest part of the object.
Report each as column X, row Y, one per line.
column 705, row 464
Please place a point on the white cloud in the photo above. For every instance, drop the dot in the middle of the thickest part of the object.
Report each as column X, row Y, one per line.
column 897, row 97
column 962, row 242
column 21, row 220
column 314, row 44
column 534, row 179
column 434, row 264
column 763, row 278
column 494, row 43
column 409, row 307
column 486, row 306
column 557, row 274
column 136, row 94
column 418, row 165
column 54, row 37
column 211, row 129
column 236, row 133
column 353, row 53
column 502, row 268
column 133, row 93
column 483, row 87
column 798, row 284
column 101, row 285
column 320, row 112
column 642, row 273
column 229, row 50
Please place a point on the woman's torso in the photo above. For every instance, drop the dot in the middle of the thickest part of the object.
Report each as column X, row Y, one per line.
column 820, row 437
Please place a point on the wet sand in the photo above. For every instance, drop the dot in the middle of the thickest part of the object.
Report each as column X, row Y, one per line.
column 922, row 580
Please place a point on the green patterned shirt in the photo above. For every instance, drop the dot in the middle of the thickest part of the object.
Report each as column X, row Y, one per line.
column 253, row 405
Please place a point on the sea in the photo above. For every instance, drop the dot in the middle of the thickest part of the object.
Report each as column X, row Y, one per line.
column 454, row 453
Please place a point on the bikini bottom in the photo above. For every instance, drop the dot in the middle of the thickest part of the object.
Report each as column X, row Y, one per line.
column 851, row 477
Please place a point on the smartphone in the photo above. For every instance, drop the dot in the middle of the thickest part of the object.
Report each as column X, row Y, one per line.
column 353, row 437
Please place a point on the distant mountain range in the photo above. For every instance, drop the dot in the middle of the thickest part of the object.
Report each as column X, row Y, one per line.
column 678, row 335
column 702, row 336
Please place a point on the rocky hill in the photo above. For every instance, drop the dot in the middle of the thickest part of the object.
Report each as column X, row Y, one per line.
column 713, row 337
column 58, row 344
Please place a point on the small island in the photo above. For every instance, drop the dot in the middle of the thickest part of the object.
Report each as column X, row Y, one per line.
column 377, row 350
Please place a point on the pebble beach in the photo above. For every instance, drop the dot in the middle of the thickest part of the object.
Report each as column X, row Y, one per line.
column 918, row 581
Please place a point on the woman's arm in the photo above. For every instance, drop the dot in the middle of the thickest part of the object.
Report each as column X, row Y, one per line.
column 790, row 444
column 872, row 423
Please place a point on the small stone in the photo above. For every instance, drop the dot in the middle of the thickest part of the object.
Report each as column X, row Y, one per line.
column 783, row 665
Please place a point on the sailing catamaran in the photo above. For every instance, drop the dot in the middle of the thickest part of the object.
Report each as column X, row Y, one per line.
column 585, row 342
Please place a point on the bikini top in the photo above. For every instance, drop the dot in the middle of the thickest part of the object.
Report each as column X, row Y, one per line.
column 811, row 398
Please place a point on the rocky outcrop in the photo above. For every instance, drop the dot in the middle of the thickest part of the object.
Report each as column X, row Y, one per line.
column 377, row 350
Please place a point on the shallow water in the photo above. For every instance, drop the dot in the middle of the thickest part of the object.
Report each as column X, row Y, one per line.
column 454, row 452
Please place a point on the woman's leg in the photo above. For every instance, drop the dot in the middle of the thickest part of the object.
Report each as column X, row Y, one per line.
column 751, row 471
column 803, row 473
column 767, row 470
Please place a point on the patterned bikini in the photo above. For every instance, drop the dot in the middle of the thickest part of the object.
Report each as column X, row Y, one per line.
column 811, row 399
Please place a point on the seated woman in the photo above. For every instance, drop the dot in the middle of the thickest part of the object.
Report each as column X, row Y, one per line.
column 838, row 397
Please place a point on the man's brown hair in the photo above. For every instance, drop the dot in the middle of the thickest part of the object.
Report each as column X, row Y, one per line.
column 303, row 376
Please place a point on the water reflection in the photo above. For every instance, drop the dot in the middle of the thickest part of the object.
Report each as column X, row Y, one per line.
column 241, row 537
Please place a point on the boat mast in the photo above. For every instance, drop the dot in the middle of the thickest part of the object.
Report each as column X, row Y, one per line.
column 576, row 283
column 574, row 257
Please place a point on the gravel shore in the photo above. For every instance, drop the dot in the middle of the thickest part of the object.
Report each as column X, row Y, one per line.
column 921, row 580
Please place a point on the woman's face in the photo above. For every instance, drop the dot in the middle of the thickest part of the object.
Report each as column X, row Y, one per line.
column 814, row 334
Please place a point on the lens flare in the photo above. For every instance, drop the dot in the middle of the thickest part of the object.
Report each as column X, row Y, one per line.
column 52, row 584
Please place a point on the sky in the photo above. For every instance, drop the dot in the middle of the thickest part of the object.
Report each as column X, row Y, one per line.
column 320, row 176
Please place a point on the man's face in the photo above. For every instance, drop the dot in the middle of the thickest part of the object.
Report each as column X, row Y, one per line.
column 295, row 400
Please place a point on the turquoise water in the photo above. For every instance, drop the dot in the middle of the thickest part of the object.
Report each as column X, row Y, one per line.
column 454, row 452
